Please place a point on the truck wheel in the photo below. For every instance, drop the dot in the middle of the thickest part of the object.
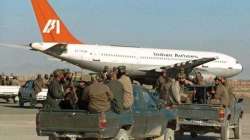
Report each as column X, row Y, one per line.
column 122, row 135
column 14, row 100
column 168, row 134
column 52, row 138
column 8, row 100
column 180, row 133
column 32, row 105
column 21, row 103
column 225, row 131
column 238, row 130
column 56, row 138
column 193, row 134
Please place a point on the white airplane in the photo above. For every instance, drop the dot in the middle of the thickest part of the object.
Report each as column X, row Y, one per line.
column 143, row 64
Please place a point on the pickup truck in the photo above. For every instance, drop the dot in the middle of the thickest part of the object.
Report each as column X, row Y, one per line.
column 9, row 92
column 203, row 117
column 25, row 92
column 145, row 120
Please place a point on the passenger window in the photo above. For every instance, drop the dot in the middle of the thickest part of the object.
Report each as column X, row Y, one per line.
column 150, row 104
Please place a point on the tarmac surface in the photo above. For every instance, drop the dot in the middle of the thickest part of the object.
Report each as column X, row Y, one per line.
column 19, row 124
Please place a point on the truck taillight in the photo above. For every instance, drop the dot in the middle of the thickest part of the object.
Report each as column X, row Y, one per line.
column 221, row 113
column 102, row 120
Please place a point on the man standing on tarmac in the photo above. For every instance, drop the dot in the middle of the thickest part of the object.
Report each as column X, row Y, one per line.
column 15, row 81
column 7, row 81
column 221, row 95
column 46, row 80
column 229, row 89
column 55, row 91
column 128, row 97
column 37, row 87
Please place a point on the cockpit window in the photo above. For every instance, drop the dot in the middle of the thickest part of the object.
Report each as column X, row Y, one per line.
column 237, row 62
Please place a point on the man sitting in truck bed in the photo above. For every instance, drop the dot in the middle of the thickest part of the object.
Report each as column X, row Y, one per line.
column 98, row 96
column 170, row 91
column 116, row 88
column 199, row 96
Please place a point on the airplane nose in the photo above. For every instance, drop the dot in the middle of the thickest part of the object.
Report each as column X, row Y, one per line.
column 238, row 68
column 241, row 68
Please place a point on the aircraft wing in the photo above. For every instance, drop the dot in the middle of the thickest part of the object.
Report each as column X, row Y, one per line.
column 188, row 66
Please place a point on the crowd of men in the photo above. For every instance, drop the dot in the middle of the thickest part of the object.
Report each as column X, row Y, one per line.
column 109, row 90
column 172, row 90
column 6, row 80
column 112, row 90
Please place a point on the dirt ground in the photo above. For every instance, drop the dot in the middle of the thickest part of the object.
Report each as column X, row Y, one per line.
column 19, row 124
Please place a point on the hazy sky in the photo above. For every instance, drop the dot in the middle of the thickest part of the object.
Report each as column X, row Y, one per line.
column 212, row 25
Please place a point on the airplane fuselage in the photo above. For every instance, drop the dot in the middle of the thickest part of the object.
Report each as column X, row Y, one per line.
column 138, row 60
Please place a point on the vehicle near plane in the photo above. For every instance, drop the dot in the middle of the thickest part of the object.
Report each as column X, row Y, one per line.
column 25, row 91
column 9, row 92
column 205, row 117
column 146, row 120
column 143, row 64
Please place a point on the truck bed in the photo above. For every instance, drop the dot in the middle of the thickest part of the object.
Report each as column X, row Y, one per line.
column 9, row 90
column 75, row 122
column 198, row 111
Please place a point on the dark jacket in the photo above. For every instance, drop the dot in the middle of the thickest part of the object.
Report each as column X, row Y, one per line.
column 116, row 88
column 55, row 92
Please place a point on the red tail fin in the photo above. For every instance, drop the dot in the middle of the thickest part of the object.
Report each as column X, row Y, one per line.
column 51, row 26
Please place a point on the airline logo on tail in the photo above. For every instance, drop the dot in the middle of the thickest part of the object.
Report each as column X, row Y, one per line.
column 52, row 24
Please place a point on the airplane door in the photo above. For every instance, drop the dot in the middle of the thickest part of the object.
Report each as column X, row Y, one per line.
column 95, row 55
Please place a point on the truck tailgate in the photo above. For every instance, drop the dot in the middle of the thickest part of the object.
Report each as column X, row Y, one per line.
column 198, row 111
column 71, row 121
